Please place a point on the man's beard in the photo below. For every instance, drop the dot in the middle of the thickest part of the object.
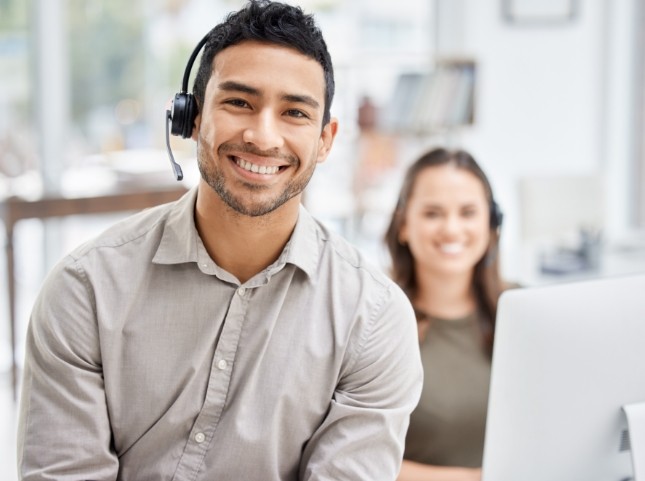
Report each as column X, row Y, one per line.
column 214, row 177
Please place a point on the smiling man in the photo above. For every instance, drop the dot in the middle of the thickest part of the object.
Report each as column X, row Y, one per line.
column 229, row 335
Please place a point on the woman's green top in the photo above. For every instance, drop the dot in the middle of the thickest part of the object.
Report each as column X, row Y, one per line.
column 447, row 427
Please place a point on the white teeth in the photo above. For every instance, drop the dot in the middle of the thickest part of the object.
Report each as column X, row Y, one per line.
column 452, row 248
column 258, row 169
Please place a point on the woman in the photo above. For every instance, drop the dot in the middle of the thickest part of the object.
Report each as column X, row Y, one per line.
column 443, row 240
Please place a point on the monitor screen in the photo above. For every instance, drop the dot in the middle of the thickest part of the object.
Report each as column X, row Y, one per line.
column 566, row 359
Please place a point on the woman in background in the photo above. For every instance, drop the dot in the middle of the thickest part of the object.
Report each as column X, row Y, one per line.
column 443, row 240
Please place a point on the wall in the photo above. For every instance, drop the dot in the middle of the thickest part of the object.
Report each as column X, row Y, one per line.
column 551, row 100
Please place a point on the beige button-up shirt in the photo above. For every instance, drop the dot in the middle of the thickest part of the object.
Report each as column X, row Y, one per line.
column 147, row 361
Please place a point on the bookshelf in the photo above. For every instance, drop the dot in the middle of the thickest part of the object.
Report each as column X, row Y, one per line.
column 429, row 103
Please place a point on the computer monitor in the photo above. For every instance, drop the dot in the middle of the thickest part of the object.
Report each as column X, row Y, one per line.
column 567, row 358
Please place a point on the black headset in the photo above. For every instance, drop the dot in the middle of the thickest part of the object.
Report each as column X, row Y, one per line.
column 496, row 215
column 180, row 118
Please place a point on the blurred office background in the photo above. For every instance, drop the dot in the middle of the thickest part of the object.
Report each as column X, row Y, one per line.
column 548, row 95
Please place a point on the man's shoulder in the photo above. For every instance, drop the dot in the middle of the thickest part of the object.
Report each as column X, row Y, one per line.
column 343, row 251
column 145, row 226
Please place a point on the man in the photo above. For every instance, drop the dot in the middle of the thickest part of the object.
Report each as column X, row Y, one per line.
column 227, row 336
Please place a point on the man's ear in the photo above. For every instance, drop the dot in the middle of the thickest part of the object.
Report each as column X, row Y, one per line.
column 327, row 137
column 196, row 125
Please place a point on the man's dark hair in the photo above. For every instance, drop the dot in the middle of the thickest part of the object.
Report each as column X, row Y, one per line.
column 272, row 22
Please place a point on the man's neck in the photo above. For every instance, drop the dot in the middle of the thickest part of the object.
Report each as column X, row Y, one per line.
column 243, row 245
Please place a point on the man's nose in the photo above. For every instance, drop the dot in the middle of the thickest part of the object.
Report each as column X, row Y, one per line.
column 263, row 131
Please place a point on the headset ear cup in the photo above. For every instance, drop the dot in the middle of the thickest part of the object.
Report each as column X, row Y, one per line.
column 496, row 215
column 190, row 116
column 183, row 114
column 178, row 114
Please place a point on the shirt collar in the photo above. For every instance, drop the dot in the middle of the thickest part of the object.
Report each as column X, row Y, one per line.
column 180, row 240
column 303, row 248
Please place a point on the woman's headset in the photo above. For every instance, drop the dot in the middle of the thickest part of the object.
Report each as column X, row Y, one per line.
column 496, row 215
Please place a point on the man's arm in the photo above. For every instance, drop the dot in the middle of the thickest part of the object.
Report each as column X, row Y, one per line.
column 63, row 429
column 363, row 434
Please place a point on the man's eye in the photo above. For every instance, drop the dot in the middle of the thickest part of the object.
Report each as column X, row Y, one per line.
column 237, row 102
column 299, row 114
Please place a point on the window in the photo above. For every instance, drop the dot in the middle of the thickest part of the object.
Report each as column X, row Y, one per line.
column 17, row 152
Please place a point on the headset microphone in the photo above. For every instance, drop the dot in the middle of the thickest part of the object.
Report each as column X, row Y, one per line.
column 180, row 118
column 175, row 166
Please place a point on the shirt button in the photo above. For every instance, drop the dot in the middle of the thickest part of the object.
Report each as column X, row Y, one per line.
column 200, row 437
column 221, row 364
column 241, row 291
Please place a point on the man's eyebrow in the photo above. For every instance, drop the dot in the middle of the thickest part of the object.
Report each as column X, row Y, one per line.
column 232, row 86
column 304, row 99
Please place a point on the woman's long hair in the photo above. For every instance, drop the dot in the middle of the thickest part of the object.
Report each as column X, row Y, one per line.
column 487, row 284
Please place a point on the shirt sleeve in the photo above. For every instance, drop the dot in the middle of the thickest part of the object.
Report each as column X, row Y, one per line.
column 63, row 428
column 363, row 434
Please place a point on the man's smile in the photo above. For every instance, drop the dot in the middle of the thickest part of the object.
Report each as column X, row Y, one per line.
column 257, row 169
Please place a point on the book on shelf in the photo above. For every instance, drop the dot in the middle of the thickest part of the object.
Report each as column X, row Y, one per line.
column 399, row 113
column 427, row 102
